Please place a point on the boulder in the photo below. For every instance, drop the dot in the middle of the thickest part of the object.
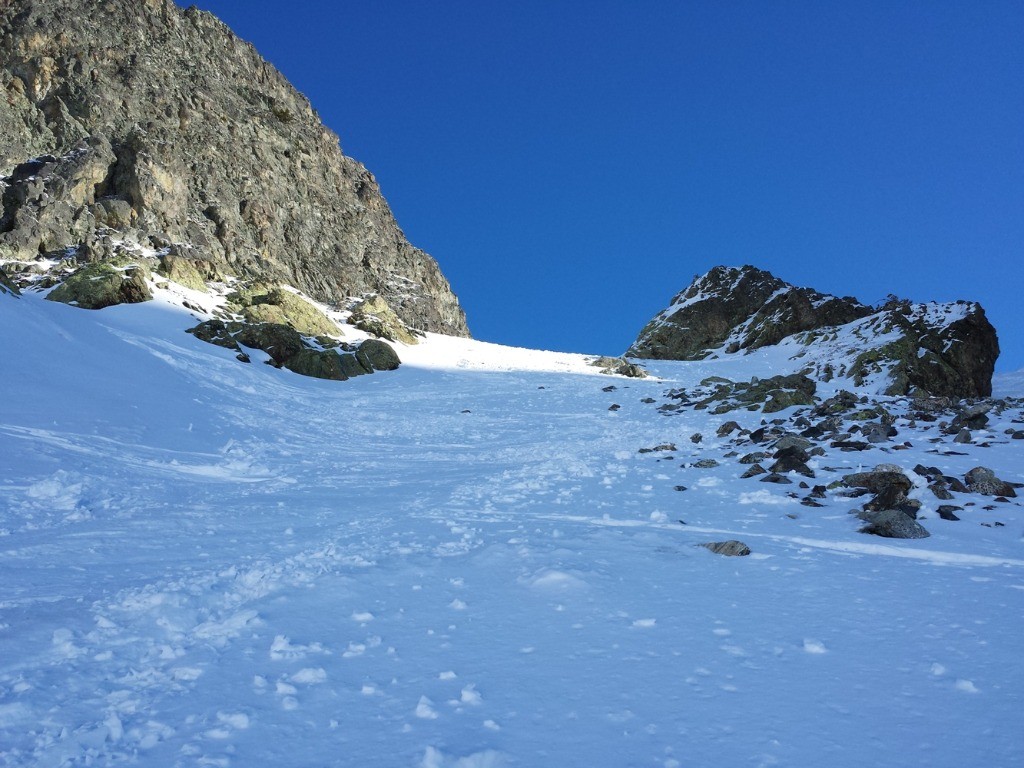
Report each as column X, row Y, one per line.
column 893, row 524
column 289, row 349
column 101, row 284
column 266, row 303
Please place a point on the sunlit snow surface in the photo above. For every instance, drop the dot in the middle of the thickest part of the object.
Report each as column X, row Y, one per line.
column 462, row 563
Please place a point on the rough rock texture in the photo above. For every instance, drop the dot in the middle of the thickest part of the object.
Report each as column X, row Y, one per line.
column 138, row 121
column 373, row 315
column 289, row 349
column 7, row 285
column 900, row 348
column 747, row 307
column 100, row 285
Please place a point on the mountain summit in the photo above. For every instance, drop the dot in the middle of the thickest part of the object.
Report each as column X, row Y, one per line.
column 131, row 124
column 940, row 349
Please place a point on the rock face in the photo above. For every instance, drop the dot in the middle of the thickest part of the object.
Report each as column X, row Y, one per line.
column 136, row 121
column 898, row 348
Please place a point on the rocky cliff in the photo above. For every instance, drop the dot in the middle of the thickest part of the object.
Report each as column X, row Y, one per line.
column 134, row 123
column 898, row 348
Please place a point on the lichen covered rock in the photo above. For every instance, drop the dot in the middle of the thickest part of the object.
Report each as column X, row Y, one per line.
column 100, row 285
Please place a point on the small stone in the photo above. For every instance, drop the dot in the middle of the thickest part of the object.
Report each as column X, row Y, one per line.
column 754, row 471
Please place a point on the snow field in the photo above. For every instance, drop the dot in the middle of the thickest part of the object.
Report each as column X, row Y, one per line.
column 463, row 563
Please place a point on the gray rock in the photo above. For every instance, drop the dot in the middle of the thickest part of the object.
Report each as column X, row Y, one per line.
column 893, row 524
column 731, row 548
column 158, row 124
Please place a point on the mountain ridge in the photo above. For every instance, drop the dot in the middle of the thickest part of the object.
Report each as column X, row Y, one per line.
column 946, row 349
column 146, row 123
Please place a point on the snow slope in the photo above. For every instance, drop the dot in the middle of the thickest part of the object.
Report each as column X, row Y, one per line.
column 463, row 563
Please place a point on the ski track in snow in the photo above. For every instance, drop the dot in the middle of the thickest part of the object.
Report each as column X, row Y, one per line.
column 207, row 563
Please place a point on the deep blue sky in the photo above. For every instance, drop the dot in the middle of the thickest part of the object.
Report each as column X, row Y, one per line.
column 573, row 165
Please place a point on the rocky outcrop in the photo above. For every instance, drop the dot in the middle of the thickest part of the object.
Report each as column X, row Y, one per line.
column 737, row 309
column 899, row 348
column 373, row 315
column 7, row 285
column 135, row 121
column 101, row 284
column 321, row 358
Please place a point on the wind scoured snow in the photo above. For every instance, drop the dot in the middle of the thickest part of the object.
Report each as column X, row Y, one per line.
column 463, row 563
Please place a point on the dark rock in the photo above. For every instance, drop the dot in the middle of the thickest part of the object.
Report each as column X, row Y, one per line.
column 705, row 464
column 851, row 445
column 727, row 429
column 776, row 478
column 941, row 349
column 753, row 471
column 946, row 511
column 731, row 548
column 614, row 407
column 940, row 490
column 748, row 302
column 791, row 463
column 376, row 355
column 893, row 524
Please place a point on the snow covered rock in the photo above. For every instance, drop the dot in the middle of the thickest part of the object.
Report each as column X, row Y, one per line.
column 152, row 124
column 899, row 348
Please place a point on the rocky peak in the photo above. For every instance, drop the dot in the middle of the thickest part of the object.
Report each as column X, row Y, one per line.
column 134, row 121
column 898, row 348
column 738, row 308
